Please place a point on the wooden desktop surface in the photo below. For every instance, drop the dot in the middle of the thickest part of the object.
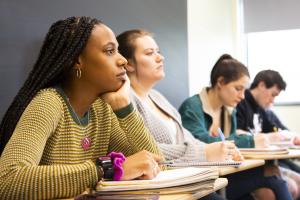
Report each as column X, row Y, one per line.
column 293, row 153
column 246, row 164
column 220, row 182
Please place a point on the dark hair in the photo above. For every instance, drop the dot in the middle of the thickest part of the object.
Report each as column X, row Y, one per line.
column 228, row 68
column 62, row 46
column 127, row 39
column 270, row 78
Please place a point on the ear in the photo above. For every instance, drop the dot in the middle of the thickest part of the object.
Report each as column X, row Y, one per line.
column 130, row 67
column 220, row 81
column 78, row 63
column 261, row 84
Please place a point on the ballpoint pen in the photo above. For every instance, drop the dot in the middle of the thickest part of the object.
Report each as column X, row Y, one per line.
column 221, row 134
column 166, row 162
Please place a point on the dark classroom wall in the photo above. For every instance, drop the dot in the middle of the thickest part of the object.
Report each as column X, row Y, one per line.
column 24, row 25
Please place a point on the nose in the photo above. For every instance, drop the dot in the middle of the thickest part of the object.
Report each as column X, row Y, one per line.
column 160, row 57
column 242, row 94
column 272, row 100
column 122, row 62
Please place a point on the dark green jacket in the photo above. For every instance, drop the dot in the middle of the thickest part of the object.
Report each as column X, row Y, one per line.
column 198, row 123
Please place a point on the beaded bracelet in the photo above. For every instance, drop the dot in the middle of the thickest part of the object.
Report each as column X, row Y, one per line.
column 118, row 160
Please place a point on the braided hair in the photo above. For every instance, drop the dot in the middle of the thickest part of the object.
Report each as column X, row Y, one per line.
column 62, row 46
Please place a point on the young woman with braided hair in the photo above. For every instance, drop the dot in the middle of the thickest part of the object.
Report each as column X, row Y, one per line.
column 57, row 126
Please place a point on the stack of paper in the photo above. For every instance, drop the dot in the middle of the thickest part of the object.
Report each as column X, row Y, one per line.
column 183, row 180
column 272, row 150
column 285, row 144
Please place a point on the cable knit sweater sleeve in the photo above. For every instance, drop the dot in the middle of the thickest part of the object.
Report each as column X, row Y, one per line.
column 190, row 150
column 129, row 134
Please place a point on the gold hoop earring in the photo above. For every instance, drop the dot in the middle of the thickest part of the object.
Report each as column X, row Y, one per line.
column 78, row 73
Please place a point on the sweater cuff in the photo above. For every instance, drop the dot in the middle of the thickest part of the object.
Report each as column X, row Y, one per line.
column 95, row 174
column 251, row 141
column 123, row 112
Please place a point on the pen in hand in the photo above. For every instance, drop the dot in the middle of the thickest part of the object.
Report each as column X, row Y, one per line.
column 167, row 162
column 221, row 134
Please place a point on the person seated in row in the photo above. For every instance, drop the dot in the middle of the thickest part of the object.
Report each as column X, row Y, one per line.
column 73, row 108
column 145, row 69
column 213, row 108
column 254, row 115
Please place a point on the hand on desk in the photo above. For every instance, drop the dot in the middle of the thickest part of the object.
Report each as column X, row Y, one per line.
column 276, row 137
column 261, row 140
column 221, row 151
column 237, row 156
column 293, row 137
column 296, row 140
column 142, row 165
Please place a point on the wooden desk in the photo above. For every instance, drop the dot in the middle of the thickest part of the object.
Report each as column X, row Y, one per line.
column 219, row 184
column 293, row 153
column 246, row 164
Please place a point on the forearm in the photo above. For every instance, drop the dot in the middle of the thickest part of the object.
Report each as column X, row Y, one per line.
column 46, row 182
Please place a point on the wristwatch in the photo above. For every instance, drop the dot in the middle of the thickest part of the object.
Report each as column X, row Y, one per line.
column 106, row 164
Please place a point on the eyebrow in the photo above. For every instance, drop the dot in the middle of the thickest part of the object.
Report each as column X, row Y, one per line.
column 153, row 49
column 110, row 44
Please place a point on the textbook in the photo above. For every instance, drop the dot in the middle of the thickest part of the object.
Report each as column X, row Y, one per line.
column 229, row 163
column 172, row 181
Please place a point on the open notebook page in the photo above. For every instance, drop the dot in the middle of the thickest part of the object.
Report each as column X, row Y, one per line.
column 164, row 176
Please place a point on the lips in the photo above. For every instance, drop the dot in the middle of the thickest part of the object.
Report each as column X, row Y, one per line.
column 122, row 76
column 160, row 66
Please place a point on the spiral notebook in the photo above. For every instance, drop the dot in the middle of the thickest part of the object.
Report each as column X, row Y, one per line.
column 206, row 164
